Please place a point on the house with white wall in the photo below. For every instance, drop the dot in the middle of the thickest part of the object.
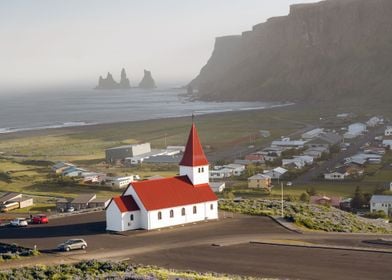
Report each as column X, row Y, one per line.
column 388, row 131
column 381, row 203
column 165, row 202
column 354, row 130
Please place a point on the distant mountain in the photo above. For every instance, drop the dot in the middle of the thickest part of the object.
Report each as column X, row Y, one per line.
column 332, row 51
column 110, row 83
column 147, row 82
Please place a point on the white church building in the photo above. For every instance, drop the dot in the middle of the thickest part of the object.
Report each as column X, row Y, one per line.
column 159, row 203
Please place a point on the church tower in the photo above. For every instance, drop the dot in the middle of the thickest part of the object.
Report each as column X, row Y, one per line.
column 194, row 163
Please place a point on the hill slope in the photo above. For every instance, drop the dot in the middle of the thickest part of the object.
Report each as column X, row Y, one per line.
column 334, row 51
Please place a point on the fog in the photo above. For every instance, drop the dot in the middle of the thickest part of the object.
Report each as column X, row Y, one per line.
column 69, row 43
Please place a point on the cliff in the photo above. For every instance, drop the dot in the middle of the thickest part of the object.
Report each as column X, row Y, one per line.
column 110, row 83
column 147, row 82
column 331, row 51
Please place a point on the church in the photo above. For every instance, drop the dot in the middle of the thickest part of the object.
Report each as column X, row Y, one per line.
column 166, row 202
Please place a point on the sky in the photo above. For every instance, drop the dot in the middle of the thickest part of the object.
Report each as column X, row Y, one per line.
column 50, row 43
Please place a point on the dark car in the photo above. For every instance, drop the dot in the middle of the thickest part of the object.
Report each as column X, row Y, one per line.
column 72, row 244
column 40, row 219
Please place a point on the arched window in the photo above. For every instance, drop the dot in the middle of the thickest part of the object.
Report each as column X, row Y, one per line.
column 131, row 217
column 183, row 211
column 212, row 206
column 194, row 209
column 159, row 215
column 171, row 213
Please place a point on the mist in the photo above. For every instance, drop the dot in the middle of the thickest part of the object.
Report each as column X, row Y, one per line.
column 46, row 44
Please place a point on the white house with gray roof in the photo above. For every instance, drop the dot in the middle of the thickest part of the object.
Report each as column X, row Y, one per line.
column 381, row 203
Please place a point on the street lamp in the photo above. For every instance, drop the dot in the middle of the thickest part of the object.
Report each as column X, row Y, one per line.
column 281, row 186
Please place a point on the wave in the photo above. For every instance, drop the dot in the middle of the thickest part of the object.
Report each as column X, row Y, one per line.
column 61, row 125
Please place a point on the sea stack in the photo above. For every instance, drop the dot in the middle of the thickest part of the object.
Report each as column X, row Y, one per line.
column 110, row 83
column 107, row 83
column 147, row 82
column 124, row 82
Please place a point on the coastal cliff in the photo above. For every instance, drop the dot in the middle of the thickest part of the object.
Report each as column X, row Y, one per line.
column 331, row 51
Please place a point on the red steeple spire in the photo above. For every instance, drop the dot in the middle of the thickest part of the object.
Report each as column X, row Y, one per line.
column 194, row 154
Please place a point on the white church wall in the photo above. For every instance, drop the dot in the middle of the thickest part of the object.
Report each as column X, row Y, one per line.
column 203, row 212
column 143, row 212
column 131, row 220
column 113, row 218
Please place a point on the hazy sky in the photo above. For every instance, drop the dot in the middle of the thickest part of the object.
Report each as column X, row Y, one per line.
column 72, row 42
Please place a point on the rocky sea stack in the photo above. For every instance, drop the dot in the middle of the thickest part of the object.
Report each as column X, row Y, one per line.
column 331, row 52
column 110, row 83
column 147, row 82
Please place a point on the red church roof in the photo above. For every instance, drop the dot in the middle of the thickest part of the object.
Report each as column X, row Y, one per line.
column 125, row 203
column 194, row 154
column 171, row 192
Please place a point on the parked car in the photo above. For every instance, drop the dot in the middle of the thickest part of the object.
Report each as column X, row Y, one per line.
column 70, row 209
column 72, row 244
column 19, row 222
column 40, row 219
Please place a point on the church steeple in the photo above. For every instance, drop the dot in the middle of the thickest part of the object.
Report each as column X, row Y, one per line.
column 194, row 154
column 194, row 163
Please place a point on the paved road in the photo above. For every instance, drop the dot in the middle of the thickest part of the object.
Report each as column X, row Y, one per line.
column 190, row 247
column 339, row 158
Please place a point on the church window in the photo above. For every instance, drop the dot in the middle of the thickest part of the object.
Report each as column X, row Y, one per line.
column 212, row 206
column 131, row 217
column 194, row 209
column 159, row 215
column 171, row 213
column 183, row 211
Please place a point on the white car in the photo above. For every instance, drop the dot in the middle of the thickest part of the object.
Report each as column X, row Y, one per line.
column 19, row 222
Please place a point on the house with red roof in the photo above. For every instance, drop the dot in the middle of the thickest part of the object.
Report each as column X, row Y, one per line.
column 165, row 202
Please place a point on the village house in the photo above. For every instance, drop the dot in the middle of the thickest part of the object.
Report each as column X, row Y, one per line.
column 256, row 157
column 354, row 130
column 92, row 177
column 312, row 133
column 153, row 204
column 287, row 143
column 217, row 187
column 11, row 200
column 296, row 163
column 388, row 131
column 374, row 121
column 259, row 181
column 334, row 175
column 387, row 143
column 120, row 182
column 276, row 173
column 83, row 201
column 381, row 203
column 326, row 140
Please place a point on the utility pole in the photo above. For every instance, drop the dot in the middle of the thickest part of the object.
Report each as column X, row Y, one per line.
column 281, row 185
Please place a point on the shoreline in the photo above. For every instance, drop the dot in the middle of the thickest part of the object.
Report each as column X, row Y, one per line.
column 98, row 126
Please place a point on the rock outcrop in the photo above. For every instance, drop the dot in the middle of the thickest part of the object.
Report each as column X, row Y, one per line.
column 331, row 51
column 147, row 82
column 110, row 83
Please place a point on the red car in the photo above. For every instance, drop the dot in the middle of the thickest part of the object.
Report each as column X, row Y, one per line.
column 40, row 219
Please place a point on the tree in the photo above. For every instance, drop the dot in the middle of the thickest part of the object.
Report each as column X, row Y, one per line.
column 359, row 199
column 304, row 197
column 311, row 191
column 229, row 195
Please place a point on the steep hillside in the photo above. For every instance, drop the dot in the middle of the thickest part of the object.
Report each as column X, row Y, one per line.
column 334, row 51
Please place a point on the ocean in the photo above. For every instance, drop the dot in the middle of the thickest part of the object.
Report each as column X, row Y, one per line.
column 66, row 108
